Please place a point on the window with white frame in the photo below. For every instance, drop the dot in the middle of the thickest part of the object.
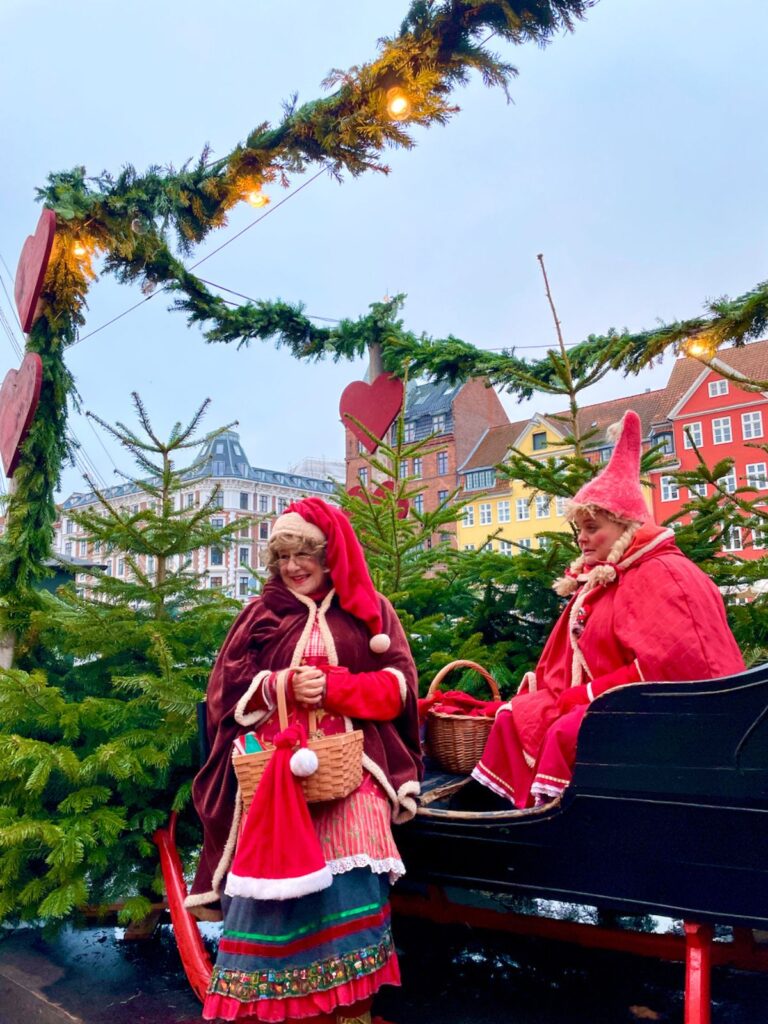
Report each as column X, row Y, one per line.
column 361, row 449
column 756, row 476
column 418, row 504
column 717, row 388
column 121, row 567
column 244, row 499
column 698, row 489
column 442, row 497
column 669, row 489
column 216, row 582
column 692, row 435
column 150, row 563
column 362, row 476
column 217, row 522
column 721, row 430
column 409, row 432
column 751, row 425
column 245, row 556
column 282, row 505
column 469, row 515
column 442, row 463
column 190, row 500
column 403, row 469
column 480, row 479
column 438, row 424
column 539, row 441
column 263, row 503
column 560, row 504
column 505, row 547
column 245, row 529
column 503, row 511
column 417, row 465
column 543, row 542
column 522, row 509
column 469, row 547
column 242, row 586
column 82, row 548
column 542, row 506
column 485, row 513
column 263, row 531
column 68, row 548
column 526, row 543
column 69, row 526
column 758, row 539
column 217, row 555
column 728, row 482
column 732, row 539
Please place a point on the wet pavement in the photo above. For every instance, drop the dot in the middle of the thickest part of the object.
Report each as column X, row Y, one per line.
column 451, row 975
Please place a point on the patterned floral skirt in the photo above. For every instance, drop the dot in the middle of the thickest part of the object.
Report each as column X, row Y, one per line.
column 292, row 959
column 284, row 960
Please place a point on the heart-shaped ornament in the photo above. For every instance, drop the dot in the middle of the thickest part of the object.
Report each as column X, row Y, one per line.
column 33, row 264
column 19, row 396
column 375, row 405
column 377, row 496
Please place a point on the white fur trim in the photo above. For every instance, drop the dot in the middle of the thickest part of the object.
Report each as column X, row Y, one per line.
column 639, row 671
column 379, row 643
column 298, row 526
column 251, row 717
column 400, row 680
column 304, row 762
column 388, row 866
column 199, row 899
column 565, row 586
column 229, row 847
column 406, row 798
column 301, row 644
column 528, row 684
column 664, row 535
column 279, row 888
column 590, row 694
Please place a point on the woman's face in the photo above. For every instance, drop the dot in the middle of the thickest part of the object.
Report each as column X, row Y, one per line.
column 300, row 571
column 597, row 535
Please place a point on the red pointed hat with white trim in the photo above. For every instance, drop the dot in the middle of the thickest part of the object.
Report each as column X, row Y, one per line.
column 616, row 488
column 315, row 518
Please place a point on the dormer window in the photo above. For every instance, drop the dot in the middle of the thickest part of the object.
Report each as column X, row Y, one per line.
column 717, row 388
column 539, row 441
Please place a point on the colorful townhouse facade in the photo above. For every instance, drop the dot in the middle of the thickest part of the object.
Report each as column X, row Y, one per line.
column 452, row 418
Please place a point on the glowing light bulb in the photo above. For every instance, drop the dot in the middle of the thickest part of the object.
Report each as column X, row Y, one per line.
column 696, row 348
column 398, row 104
column 257, row 198
column 79, row 250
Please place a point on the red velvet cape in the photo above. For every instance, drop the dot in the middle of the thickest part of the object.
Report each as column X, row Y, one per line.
column 264, row 636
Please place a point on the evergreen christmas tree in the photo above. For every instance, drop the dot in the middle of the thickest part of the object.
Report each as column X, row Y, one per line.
column 97, row 722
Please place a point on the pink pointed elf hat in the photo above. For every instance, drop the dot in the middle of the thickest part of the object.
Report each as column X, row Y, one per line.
column 616, row 488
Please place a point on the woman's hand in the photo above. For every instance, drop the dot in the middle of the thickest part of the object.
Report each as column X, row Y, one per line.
column 308, row 685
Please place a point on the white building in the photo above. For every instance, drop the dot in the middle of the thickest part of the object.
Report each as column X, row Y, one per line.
column 254, row 496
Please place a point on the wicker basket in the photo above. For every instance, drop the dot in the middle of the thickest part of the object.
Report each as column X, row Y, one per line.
column 340, row 760
column 457, row 741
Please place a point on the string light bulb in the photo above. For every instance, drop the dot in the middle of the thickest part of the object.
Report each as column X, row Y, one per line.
column 256, row 198
column 79, row 249
column 699, row 348
column 398, row 103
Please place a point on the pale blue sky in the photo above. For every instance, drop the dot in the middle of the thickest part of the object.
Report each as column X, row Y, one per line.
column 634, row 157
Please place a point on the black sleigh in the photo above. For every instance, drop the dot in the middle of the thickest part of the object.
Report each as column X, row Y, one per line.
column 667, row 814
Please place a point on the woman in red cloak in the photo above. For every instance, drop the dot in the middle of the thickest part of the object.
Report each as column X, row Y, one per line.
column 304, row 892
column 639, row 611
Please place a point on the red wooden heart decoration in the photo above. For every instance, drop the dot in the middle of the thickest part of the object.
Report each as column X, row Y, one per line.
column 30, row 273
column 19, row 396
column 376, row 406
column 376, row 496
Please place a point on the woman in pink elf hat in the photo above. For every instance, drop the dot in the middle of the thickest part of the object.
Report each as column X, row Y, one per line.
column 638, row 611
column 304, row 888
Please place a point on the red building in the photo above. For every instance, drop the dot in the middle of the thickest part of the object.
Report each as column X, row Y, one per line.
column 706, row 408
column 455, row 417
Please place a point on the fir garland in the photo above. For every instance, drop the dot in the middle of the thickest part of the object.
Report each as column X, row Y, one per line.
column 129, row 219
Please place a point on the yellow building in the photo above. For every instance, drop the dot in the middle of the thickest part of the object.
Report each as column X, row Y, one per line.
column 506, row 515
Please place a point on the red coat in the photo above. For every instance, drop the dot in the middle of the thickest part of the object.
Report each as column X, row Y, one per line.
column 267, row 635
column 662, row 618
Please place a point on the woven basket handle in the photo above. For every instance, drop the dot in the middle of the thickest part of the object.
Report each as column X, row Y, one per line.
column 282, row 703
column 435, row 684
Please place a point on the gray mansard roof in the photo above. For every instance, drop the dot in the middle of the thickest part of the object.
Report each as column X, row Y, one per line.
column 222, row 458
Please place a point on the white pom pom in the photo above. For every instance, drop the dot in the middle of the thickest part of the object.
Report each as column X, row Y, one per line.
column 565, row 586
column 379, row 643
column 304, row 762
